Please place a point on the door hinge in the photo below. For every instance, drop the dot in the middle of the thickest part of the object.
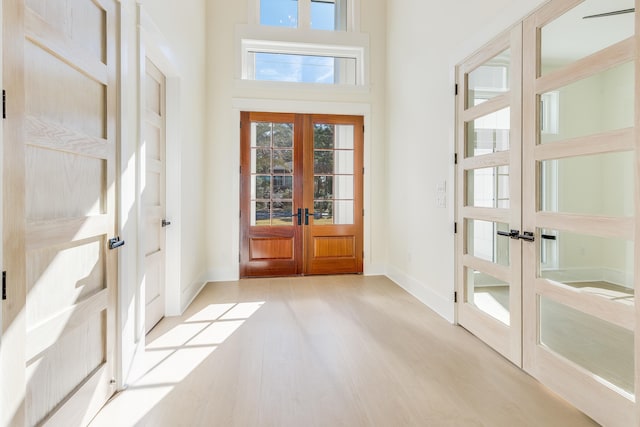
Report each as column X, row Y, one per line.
column 362, row 171
column 362, row 212
column 455, row 228
column 239, row 257
column 362, row 128
column 4, row 285
column 455, row 158
column 456, row 89
column 4, row 104
column 455, row 297
column 240, row 124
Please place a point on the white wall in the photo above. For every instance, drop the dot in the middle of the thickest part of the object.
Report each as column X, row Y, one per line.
column 183, row 29
column 425, row 40
column 227, row 96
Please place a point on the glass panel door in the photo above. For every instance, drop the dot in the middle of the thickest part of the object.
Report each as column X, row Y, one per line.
column 579, row 203
column 301, row 194
column 488, row 208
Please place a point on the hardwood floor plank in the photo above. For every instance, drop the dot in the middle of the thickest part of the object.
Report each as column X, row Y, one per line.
column 326, row 351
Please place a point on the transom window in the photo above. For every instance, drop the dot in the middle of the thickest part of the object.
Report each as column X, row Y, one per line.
column 331, row 15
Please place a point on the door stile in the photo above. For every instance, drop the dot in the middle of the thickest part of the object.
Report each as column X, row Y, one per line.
column 530, row 109
column 12, row 346
column 516, row 194
column 637, row 207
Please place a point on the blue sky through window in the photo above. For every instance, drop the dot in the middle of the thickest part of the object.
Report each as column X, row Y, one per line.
column 295, row 68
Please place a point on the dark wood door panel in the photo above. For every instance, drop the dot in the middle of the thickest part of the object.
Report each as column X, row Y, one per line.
column 301, row 194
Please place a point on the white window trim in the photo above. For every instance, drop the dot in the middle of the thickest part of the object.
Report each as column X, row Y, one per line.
column 339, row 44
column 249, row 46
column 304, row 15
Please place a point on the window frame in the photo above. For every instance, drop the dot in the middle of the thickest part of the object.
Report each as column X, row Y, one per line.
column 251, row 46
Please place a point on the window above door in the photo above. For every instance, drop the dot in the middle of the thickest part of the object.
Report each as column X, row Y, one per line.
column 327, row 15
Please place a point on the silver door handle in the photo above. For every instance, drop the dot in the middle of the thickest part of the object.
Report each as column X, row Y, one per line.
column 165, row 223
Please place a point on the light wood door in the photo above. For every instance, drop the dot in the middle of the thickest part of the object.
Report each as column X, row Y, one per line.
column 489, row 194
column 301, row 201
column 580, row 174
column 59, row 209
column 154, row 194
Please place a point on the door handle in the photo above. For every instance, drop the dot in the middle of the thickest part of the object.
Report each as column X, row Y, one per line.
column 527, row 235
column 299, row 215
column 514, row 234
column 307, row 214
column 115, row 243
column 165, row 223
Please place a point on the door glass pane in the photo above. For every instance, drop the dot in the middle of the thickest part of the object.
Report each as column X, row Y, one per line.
column 572, row 37
column 489, row 134
column 601, row 184
column 279, row 13
column 488, row 188
column 489, row 80
column 488, row 294
column 272, row 180
column 600, row 103
column 595, row 265
column 600, row 347
column 484, row 242
column 334, row 179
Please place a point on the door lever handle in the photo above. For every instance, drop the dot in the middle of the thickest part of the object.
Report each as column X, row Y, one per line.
column 514, row 234
column 527, row 235
column 165, row 223
column 299, row 215
column 115, row 243
column 307, row 214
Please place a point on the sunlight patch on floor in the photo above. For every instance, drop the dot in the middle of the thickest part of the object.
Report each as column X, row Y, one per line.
column 172, row 356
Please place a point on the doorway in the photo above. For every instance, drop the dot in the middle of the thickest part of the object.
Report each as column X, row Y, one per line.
column 301, row 194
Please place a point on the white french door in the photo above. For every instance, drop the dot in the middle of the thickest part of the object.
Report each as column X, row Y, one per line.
column 488, row 179
column 580, row 200
column 552, row 164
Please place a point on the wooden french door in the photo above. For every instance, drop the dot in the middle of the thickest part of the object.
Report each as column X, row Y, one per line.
column 154, row 194
column 580, row 174
column 57, row 355
column 301, row 194
column 489, row 194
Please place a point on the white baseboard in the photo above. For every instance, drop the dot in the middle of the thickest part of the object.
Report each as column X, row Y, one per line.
column 189, row 294
column 441, row 305
column 375, row 269
column 224, row 274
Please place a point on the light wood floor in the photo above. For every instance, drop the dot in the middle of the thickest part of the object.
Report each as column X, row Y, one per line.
column 326, row 351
